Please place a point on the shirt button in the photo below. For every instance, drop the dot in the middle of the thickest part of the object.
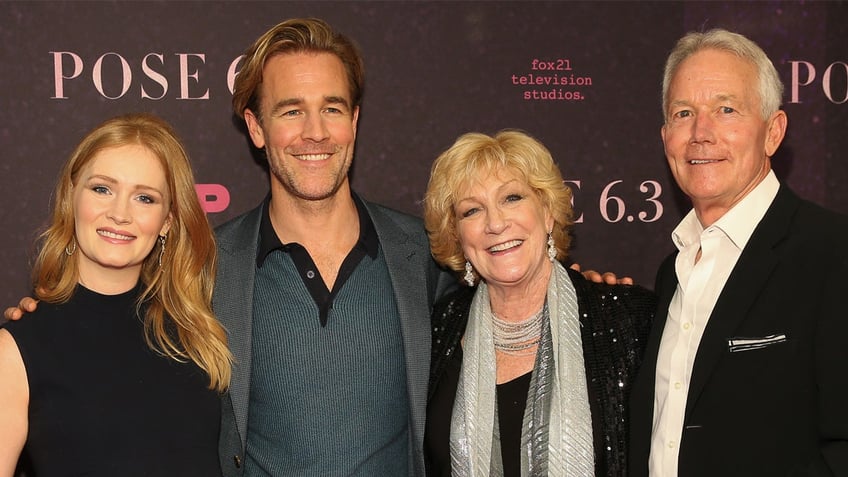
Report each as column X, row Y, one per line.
column 686, row 326
column 677, row 385
column 671, row 444
column 310, row 274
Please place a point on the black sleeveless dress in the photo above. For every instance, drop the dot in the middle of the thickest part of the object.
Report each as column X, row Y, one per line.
column 102, row 403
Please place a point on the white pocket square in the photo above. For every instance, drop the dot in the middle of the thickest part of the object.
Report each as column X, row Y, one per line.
column 735, row 345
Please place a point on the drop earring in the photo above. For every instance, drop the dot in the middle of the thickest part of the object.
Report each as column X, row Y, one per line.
column 552, row 251
column 469, row 274
column 162, row 239
column 70, row 249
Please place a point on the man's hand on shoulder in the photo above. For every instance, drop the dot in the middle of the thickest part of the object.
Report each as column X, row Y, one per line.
column 609, row 278
column 26, row 305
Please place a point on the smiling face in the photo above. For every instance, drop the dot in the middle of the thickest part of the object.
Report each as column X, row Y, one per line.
column 121, row 206
column 307, row 124
column 503, row 229
column 716, row 141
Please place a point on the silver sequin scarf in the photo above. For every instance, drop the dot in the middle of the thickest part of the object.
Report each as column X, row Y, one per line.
column 556, row 435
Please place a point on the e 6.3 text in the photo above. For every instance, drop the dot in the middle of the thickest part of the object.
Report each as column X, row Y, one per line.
column 617, row 202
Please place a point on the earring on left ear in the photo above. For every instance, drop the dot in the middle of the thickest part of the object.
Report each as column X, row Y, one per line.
column 70, row 249
column 552, row 251
column 469, row 275
column 162, row 239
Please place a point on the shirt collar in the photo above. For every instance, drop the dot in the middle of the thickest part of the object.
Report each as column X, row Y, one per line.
column 269, row 241
column 738, row 223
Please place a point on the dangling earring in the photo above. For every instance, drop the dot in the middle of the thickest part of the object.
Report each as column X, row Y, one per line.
column 552, row 251
column 469, row 274
column 69, row 250
column 162, row 250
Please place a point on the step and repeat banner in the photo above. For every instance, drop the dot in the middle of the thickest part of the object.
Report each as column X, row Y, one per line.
column 583, row 77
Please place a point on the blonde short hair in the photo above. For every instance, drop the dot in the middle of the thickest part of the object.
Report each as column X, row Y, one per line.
column 471, row 157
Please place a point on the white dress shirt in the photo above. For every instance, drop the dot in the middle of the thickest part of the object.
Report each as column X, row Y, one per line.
column 698, row 288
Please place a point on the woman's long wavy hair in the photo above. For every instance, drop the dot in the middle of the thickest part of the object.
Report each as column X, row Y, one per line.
column 177, row 297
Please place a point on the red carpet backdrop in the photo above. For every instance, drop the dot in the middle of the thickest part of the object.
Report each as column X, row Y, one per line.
column 583, row 77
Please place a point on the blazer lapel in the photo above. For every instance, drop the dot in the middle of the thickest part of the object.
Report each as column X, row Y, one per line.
column 741, row 291
column 407, row 258
column 642, row 393
column 232, row 303
column 665, row 287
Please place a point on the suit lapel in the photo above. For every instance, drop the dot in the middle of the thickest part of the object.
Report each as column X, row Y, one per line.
column 743, row 288
column 665, row 287
column 232, row 303
column 406, row 259
column 642, row 394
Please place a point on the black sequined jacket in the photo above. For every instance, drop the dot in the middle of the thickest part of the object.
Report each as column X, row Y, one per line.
column 614, row 319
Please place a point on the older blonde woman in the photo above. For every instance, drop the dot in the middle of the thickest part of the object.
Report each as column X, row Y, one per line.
column 531, row 363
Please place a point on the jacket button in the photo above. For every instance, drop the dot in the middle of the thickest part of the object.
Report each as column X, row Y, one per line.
column 237, row 461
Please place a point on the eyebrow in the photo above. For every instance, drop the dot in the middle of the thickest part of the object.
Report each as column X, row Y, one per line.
column 337, row 100
column 284, row 103
column 101, row 177
column 727, row 97
column 717, row 98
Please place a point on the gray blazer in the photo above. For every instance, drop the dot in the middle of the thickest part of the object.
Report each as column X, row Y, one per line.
column 417, row 283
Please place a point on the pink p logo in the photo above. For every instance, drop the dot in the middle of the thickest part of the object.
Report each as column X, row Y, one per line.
column 213, row 197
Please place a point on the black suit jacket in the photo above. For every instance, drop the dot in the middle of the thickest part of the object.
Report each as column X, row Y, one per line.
column 777, row 410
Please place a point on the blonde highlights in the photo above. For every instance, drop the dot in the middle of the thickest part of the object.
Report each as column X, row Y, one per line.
column 475, row 155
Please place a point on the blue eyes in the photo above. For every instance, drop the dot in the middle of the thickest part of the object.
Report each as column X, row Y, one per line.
column 103, row 190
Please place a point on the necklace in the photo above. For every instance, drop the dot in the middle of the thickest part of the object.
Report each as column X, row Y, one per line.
column 517, row 337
